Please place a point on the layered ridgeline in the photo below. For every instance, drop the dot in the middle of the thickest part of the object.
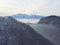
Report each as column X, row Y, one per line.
column 13, row 32
column 49, row 27
column 54, row 20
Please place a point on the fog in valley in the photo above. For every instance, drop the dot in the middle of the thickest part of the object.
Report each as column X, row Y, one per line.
column 13, row 32
column 51, row 32
column 29, row 22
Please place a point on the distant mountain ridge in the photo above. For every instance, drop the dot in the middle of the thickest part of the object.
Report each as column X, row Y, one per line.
column 25, row 16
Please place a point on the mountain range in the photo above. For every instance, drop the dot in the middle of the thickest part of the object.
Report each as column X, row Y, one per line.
column 13, row 32
column 26, row 16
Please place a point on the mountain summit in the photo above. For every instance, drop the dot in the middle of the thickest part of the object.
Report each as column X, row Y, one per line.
column 50, row 20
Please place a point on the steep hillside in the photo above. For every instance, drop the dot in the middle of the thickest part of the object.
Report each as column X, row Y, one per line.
column 13, row 32
column 51, row 32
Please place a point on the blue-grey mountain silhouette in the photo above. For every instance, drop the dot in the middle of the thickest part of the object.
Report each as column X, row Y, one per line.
column 26, row 16
column 13, row 32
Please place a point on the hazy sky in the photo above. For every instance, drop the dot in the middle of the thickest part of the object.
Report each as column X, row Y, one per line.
column 42, row 7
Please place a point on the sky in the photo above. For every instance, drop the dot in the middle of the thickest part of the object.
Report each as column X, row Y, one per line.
column 38, row 7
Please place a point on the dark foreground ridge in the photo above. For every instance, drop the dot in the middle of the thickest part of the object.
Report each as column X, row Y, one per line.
column 13, row 32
